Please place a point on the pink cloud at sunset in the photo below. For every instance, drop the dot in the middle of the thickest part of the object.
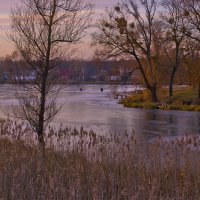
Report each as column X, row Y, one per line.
column 5, row 6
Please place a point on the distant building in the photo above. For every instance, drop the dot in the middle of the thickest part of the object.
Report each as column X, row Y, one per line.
column 93, row 77
column 115, row 78
column 26, row 77
column 5, row 76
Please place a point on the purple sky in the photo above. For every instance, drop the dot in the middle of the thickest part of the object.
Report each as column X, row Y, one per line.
column 5, row 5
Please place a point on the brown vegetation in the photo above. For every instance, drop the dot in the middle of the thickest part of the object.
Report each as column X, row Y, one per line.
column 83, row 165
column 185, row 98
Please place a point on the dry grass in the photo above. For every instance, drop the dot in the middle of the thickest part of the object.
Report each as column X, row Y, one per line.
column 182, row 96
column 82, row 165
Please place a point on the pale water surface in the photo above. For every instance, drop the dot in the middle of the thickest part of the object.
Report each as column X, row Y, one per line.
column 98, row 111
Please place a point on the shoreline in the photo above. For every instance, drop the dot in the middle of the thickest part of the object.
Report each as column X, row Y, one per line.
column 191, row 108
column 183, row 100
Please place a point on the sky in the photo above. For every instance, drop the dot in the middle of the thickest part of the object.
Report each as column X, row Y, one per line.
column 7, row 48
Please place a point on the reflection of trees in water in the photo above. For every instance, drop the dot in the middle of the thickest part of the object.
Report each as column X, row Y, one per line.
column 92, row 108
column 172, row 123
column 152, row 115
column 197, row 122
column 171, row 119
column 159, row 123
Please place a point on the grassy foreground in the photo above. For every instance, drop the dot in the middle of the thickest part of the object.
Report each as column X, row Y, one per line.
column 184, row 99
column 87, row 167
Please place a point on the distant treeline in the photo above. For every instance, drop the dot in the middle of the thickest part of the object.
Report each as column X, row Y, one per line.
column 79, row 71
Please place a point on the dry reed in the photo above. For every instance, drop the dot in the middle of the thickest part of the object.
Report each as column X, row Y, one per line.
column 82, row 165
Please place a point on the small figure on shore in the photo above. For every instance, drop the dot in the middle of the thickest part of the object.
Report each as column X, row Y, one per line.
column 81, row 89
column 101, row 89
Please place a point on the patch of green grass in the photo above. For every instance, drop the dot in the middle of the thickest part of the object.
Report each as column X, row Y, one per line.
column 182, row 97
column 146, row 105
column 181, row 107
column 186, row 92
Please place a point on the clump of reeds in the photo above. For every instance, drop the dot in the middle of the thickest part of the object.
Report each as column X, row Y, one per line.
column 80, row 164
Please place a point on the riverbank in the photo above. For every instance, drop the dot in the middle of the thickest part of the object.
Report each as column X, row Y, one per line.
column 184, row 99
column 89, row 166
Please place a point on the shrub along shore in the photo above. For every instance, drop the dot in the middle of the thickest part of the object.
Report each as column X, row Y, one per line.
column 184, row 99
column 83, row 165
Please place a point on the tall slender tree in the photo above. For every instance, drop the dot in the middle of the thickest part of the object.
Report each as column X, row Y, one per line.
column 191, row 25
column 174, row 40
column 43, row 31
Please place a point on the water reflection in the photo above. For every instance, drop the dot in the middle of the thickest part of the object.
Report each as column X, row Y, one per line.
column 97, row 110
column 170, row 123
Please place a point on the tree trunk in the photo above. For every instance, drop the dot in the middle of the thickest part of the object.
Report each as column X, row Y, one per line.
column 154, row 96
column 41, row 139
column 199, row 90
column 171, row 82
column 42, row 111
column 41, row 124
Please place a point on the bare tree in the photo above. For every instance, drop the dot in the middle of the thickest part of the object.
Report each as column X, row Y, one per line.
column 130, row 29
column 191, row 25
column 43, row 31
column 174, row 40
column 191, row 28
column 192, row 64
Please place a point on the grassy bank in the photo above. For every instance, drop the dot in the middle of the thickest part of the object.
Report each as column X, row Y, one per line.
column 86, row 166
column 184, row 99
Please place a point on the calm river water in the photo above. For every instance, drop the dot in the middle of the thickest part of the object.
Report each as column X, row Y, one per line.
column 98, row 111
